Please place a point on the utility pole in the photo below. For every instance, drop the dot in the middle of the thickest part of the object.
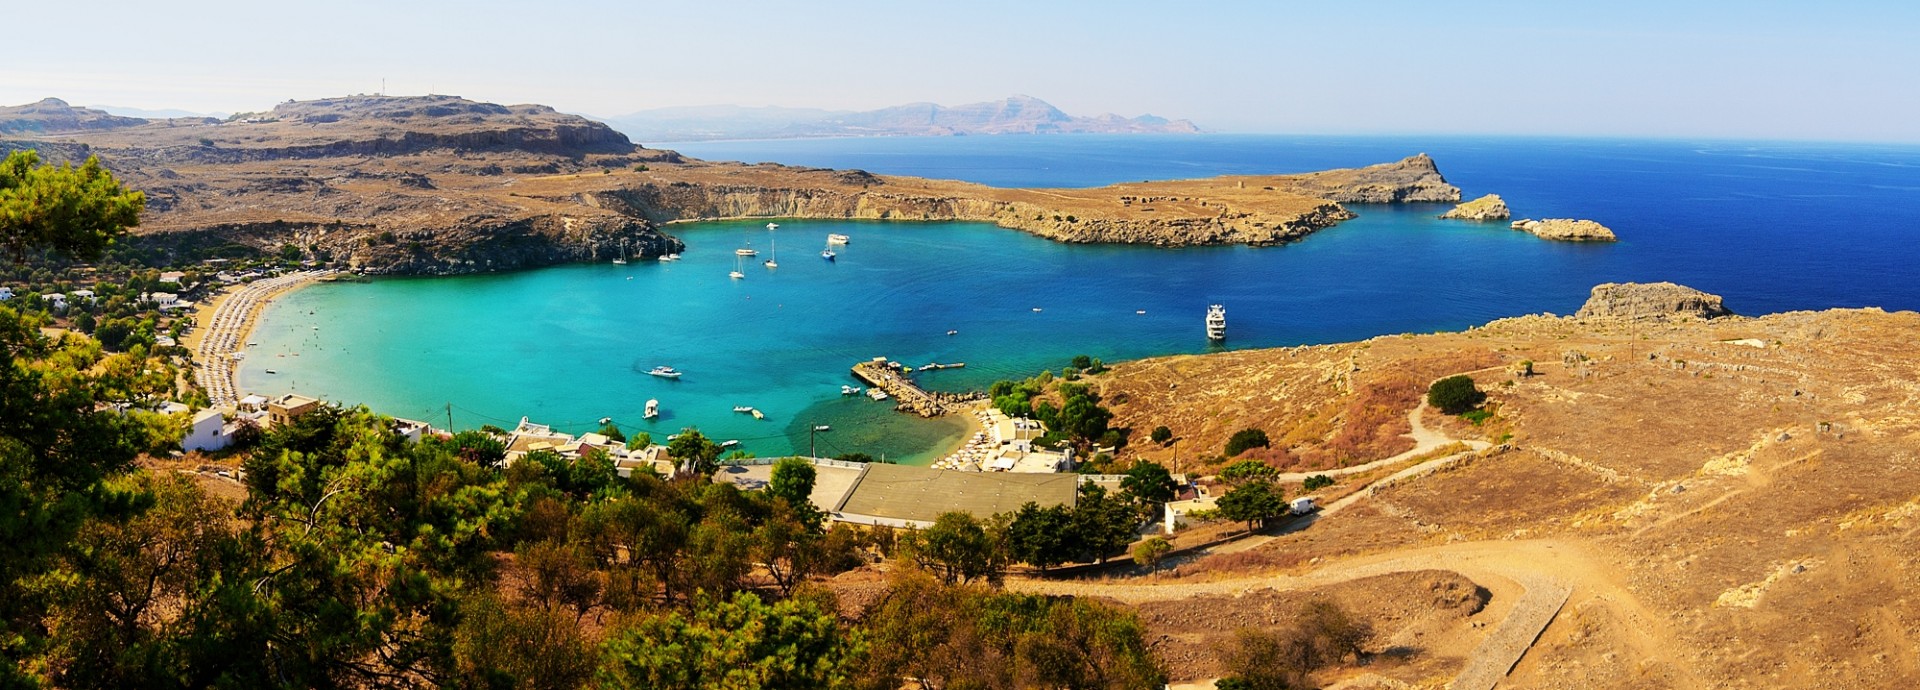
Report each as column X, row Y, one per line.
column 449, row 417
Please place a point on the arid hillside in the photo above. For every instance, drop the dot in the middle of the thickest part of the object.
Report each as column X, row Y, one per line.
column 1729, row 502
column 439, row 184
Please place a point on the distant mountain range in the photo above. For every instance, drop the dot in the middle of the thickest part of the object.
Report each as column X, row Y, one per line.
column 1015, row 115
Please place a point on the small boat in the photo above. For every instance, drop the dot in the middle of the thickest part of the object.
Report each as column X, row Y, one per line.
column 953, row 332
column 729, row 443
column 270, row 371
column 621, row 260
column 757, row 414
column 849, row 390
column 671, row 437
column 742, row 409
column 653, row 409
column 669, row 257
column 773, row 251
column 876, row 394
column 837, row 238
column 605, row 421
column 822, row 427
column 1036, row 310
column 664, row 372
column 828, row 252
column 1139, row 311
column 773, row 226
column 1217, row 323
column 736, row 274
column 743, row 251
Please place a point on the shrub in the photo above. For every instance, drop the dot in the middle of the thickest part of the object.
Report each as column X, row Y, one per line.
column 1477, row 417
column 1150, row 550
column 1162, row 435
column 1244, row 439
column 1317, row 482
column 1455, row 394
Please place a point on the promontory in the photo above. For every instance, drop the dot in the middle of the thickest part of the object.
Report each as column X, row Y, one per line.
column 440, row 184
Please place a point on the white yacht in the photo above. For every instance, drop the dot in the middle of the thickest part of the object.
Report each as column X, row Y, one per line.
column 1217, row 323
column 837, row 238
column 773, row 226
column 653, row 409
column 746, row 251
column 664, row 372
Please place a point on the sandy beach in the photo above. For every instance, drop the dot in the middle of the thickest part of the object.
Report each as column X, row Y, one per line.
column 224, row 324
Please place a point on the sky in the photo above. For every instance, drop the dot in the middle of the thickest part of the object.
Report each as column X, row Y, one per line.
column 1840, row 70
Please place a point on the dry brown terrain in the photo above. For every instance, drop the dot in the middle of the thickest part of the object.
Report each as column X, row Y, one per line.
column 438, row 184
column 1732, row 503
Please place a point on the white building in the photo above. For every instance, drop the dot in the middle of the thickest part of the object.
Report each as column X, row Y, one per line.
column 78, row 296
column 207, row 432
column 57, row 301
column 6, row 293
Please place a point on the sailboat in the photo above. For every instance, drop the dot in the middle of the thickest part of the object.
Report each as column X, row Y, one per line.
column 736, row 274
column 773, row 249
column 622, row 258
column 828, row 252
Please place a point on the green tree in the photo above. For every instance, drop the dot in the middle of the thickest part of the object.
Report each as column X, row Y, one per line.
column 1244, row 471
column 1455, row 394
column 613, row 433
column 503, row 646
column 1042, row 537
column 695, row 452
column 1254, row 503
column 1150, row 550
column 1316, row 482
column 1162, row 435
column 57, row 444
column 1245, row 439
column 793, row 480
column 1149, row 484
column 959, row 548
column 74, row 211
column 1103, row 524
column 742, row 643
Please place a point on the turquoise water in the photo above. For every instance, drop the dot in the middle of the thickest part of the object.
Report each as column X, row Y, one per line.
column 1771, row 228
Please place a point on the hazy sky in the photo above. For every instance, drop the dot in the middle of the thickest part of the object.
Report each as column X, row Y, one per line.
column 1805, row 70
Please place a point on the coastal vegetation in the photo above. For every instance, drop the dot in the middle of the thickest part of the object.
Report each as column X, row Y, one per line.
column 1455, row 394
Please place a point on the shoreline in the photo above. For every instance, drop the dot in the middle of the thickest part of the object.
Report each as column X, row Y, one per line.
column 224, row 325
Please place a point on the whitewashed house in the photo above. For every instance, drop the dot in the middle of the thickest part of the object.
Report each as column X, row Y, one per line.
column 6, row 293
column 207, row 432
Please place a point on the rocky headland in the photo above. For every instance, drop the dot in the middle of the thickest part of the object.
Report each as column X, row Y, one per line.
column 1566, row 230
column 1651, row 301
column 439, row 184
column 1489, row 207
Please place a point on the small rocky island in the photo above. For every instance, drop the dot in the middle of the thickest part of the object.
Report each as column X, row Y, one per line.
column 1566, row 230
column 1486, row 208
column 1651, row 301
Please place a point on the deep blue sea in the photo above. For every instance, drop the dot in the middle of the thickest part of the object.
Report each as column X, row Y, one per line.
column 1770, row 226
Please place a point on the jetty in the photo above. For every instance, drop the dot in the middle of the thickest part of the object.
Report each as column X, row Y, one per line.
column 896, row 380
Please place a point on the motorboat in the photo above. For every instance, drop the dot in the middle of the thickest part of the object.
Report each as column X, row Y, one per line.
column 653, row 409
column 664, row 372
column 773, row 226
column 729, row 443
column 837, row 238
column 1217, row 323
column 849, row 390
column 745, row 251
column 742, row 409
column 876, row 394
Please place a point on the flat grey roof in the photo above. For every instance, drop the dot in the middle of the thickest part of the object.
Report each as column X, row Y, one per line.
column 830, row 482
column 905, row 492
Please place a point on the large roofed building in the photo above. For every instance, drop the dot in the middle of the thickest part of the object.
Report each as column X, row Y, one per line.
column 903, row 495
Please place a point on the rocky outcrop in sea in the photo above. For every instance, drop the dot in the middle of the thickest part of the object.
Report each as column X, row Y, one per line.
column 1566, row 230
column 1651, row 301
column 1489, row 207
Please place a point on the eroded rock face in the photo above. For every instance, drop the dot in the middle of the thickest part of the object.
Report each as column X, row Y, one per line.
column 1489, row 207
column 1651, row 300
column 1566, row 230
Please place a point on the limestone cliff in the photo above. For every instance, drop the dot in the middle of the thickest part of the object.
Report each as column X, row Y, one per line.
column 1489, row 207
column 1566, row 229
column 1651, row 301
